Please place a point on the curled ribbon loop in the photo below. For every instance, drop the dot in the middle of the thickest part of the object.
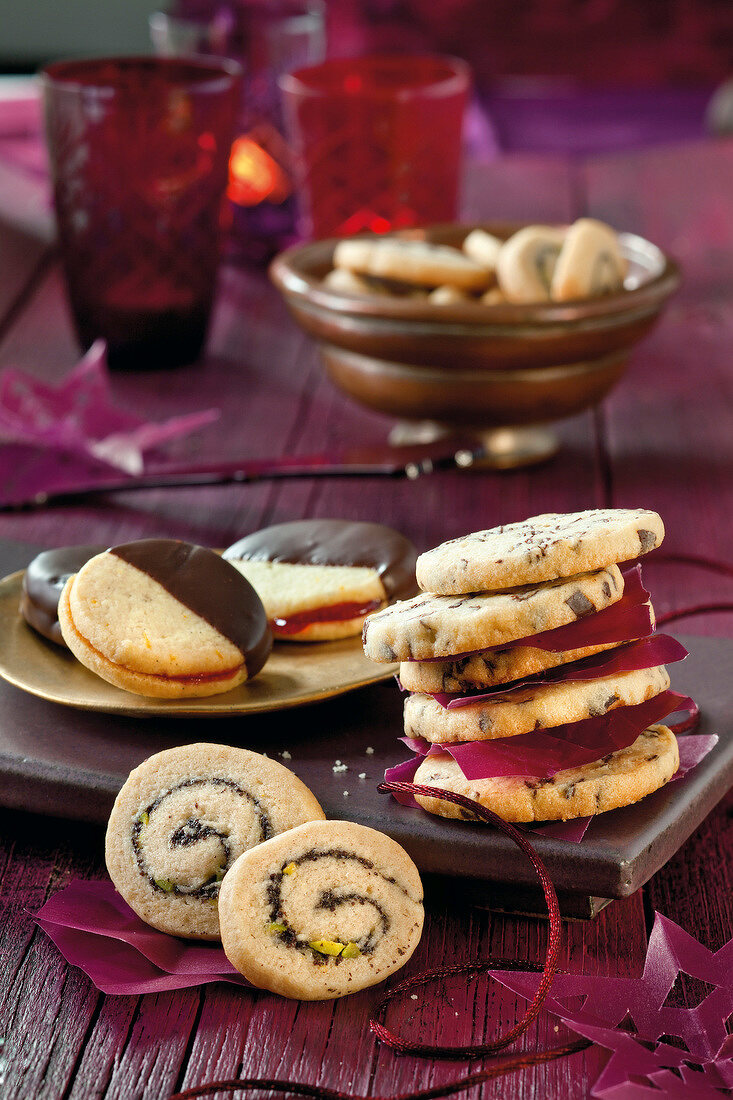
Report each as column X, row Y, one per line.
column 405, row 1046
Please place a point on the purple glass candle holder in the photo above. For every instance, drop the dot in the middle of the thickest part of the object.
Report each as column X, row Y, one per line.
column 377, row 141
column 139, row 149
column 268, row 38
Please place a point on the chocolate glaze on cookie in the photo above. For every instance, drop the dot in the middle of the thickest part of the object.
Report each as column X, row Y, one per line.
column 43, row 583
column 335, row 542
column 208, row 586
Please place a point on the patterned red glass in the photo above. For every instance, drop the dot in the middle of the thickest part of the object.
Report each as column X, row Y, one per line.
column 377, row 141
column 139, row 151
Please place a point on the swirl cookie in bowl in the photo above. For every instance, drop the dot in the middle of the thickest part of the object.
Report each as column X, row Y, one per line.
column 165, row 619
column 536, row 689
column 182, row 819
column 319, row 578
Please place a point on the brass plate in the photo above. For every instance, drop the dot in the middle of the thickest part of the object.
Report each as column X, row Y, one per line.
column 295, row 674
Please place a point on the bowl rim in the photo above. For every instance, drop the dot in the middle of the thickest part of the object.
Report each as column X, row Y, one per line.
column 292, row 272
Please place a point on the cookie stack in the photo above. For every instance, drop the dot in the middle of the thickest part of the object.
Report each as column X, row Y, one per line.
column 536, row 679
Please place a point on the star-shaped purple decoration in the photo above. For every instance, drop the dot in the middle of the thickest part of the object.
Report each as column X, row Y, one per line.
column 78, row 419
column 696, row 1070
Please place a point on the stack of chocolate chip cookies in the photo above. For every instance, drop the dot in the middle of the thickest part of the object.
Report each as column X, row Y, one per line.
column 536, row 679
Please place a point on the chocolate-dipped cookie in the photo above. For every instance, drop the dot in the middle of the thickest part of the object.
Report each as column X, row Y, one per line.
column 319, row 578
column 44, row 581
column 165, row 619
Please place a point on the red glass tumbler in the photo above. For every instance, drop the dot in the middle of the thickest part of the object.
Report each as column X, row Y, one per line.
column 377, row 141
column 139, row 149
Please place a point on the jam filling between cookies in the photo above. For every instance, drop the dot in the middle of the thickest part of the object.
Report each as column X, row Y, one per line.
column 191, row 832
column 324, row 951
column 337, row 612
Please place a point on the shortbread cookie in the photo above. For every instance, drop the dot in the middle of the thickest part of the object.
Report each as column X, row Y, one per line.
column 526, row 262
column 165, row 619
column 344, row 281
column 440, row 626
column 618, row 779
column 538, row 549
column 483, row 247
column 590, row 262
column 321, row 911
column 347, row 282
column 319, row 578
column 541, row 706
column 496, row 666
column 181, row 820
column 493, row 297
column 418, row 262
column 449, row 296
column 42, row 585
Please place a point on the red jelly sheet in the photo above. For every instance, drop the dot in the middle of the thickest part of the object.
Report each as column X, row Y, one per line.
column 657, row 649
column 543, row 753
column 630, row 617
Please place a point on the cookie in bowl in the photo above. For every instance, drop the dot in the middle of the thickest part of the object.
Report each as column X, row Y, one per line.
column 318, row 579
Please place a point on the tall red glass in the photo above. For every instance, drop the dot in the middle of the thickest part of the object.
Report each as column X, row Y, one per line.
column 139, row 150
column 377, row 141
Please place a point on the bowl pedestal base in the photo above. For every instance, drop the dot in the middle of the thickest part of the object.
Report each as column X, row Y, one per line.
column 506, row 448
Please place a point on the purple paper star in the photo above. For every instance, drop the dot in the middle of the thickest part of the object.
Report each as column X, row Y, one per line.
column 78, row 417
column 697, row 1071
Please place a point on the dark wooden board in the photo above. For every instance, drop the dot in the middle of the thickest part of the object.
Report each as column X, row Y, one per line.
column 68, row 763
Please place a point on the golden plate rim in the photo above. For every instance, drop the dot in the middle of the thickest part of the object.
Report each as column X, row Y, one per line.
column 26, row 658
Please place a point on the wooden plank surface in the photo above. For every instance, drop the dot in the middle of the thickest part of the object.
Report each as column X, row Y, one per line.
column 663, row 439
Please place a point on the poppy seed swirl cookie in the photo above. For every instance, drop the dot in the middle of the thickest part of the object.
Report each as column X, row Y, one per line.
column 165, row 619
column 326, row 909
column 441, row 626
column 538, row 549
column 181, row 820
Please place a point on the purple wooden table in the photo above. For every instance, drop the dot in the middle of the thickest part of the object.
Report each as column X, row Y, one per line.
column 664, row 439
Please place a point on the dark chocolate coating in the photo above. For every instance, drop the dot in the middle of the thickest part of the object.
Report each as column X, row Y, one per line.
column 336, row 542
column 208, row 586
column 43, row 583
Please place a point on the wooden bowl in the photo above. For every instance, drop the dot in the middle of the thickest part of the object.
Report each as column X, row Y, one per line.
column 470, row 366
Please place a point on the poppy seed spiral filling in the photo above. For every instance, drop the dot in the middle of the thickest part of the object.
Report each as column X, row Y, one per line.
column 321, row 911
column 365, row 913
column 194, row 842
